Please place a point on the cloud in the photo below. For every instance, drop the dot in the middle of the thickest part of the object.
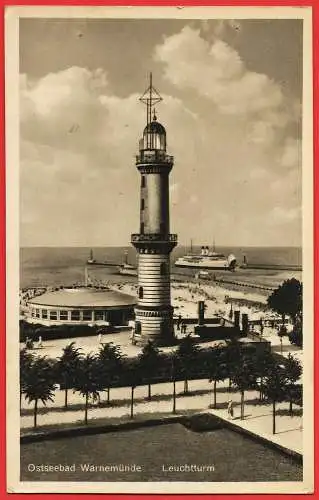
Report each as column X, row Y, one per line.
column 258, row 173
column 237, row 166
column 280, row 215
column 248, row 138
column 215, row 71
column 77, row 150
column 290, row 155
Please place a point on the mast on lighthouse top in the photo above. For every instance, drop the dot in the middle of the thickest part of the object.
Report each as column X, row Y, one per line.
column 150, row 97
column 154, row 135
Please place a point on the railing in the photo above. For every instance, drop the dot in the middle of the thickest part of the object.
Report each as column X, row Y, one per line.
column 153, row 237
column 151, row 157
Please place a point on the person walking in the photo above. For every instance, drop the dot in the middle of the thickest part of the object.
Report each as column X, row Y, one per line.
column 230, row 410
column 261, row 327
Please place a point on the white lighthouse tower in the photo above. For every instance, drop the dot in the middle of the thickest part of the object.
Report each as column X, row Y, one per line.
column 154, row 242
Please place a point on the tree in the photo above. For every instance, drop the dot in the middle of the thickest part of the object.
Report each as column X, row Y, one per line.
column 262, row 361
column 174, row 373
column 274, row 387
column 149, row 362
column 26, row 360
column 287, row 299
column 216, row 366
column 293, row 369
column 295, row 336
column 39, row 383
column 67, row 367
column 281, row 333
column 87, row 380
column 244, row 377
column 187, row 357
column 135, row 377
column 232, row 354
column 110, row 360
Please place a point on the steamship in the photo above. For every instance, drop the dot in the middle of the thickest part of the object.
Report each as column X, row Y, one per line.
column 207, row 260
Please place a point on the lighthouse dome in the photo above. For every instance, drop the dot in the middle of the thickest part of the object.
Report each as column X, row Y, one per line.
column 155, row 128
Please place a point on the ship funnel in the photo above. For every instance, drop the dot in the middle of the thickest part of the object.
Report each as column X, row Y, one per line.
column 231, row 258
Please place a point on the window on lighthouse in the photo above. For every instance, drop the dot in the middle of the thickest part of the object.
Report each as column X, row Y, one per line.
column 140, row 292
column 163, row 268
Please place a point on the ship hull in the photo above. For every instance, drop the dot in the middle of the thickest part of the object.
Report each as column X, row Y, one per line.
column 204, row 265
column 102, row 264
column 128, row 273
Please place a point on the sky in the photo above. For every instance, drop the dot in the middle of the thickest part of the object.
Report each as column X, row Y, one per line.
column 231, row 108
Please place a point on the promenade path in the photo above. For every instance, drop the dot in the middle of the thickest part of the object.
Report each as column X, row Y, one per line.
column 258, row 417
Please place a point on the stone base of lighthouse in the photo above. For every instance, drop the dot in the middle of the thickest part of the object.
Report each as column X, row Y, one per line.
column 154, row 313
column 154, row 325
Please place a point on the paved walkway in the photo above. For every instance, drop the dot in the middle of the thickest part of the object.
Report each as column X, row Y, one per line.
column 258, row 417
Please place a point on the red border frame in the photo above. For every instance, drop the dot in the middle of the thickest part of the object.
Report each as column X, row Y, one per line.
column 261, row 3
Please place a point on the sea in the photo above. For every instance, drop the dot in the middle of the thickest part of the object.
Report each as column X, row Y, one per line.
column 65, row 266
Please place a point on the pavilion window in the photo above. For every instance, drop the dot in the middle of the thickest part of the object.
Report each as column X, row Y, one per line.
column 53, row 315
column 44, row 314
column 63, row 315
column 75, row 315
column 37, row 313
column 99, row 316
column 33, row 312
column 87, row 315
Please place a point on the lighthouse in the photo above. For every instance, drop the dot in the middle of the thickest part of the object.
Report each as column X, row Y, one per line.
column 154, row 242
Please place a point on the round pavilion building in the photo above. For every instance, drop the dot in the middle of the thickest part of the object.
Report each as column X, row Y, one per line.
column 81, row 306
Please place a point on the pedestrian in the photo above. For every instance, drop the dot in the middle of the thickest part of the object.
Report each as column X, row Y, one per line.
column 230, row 410
column 179, row 320
column 99, row 338
column 40, row 342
